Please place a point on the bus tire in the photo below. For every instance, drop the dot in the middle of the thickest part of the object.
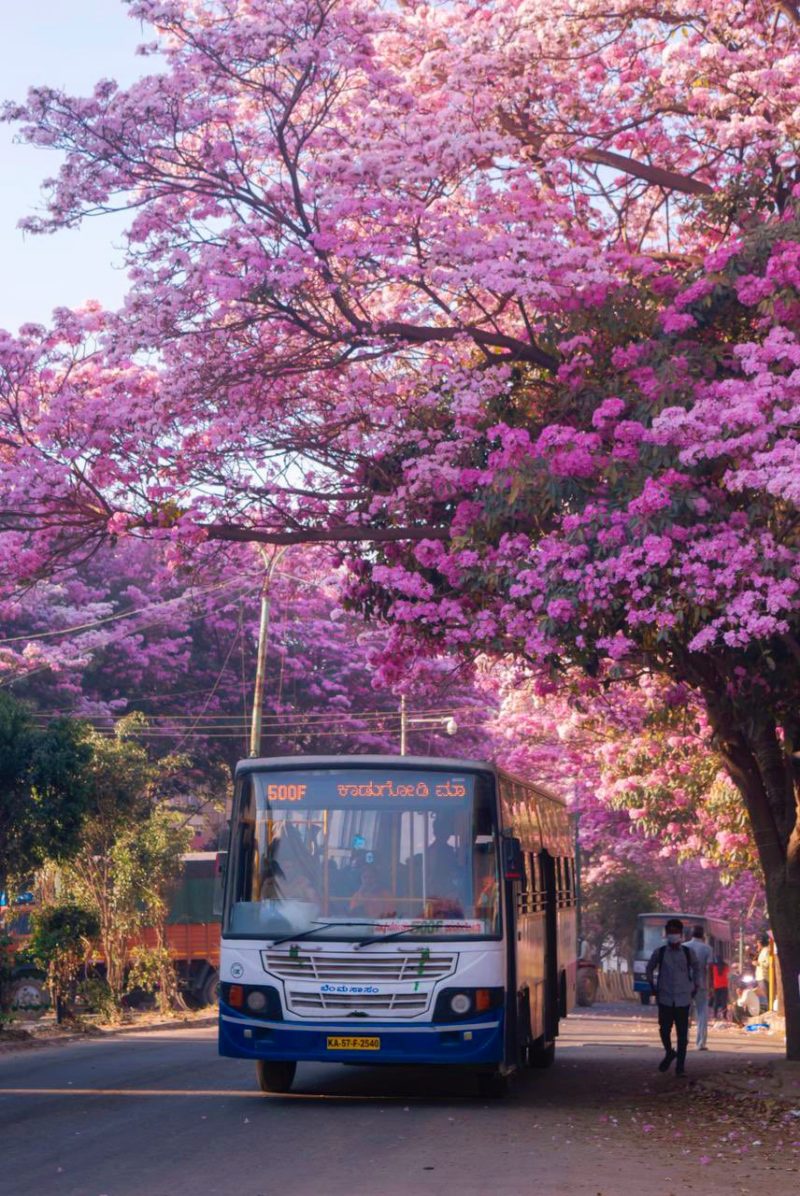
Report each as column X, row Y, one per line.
column 542, row 1054
column 275, row 1077
column 493, row 1085
column 644, row 998
column 29, row 996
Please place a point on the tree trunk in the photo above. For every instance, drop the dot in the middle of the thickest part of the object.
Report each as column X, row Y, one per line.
column 783, row 903
column 114, row 949
column 168, row 996
column 764, row 772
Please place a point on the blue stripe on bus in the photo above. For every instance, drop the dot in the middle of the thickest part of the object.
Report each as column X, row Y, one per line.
column 440, row 1043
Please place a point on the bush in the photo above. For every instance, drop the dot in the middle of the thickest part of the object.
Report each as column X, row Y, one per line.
column 60, row 944
column 94, row 993
column 152, row 971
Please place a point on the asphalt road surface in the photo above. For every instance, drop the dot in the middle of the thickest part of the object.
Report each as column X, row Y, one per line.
column 159, row 1114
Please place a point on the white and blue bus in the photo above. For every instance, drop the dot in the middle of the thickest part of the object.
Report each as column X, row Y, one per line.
column 650, row 935
column 383, row 909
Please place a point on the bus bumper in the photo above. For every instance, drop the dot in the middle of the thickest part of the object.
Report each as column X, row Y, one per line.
column 478, row 1041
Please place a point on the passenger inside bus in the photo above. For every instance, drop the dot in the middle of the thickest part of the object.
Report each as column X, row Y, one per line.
column 444, row 874
column 487, row 890
column 290, row 871
column 372, row 898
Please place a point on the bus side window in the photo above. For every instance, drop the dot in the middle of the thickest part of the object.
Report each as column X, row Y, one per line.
column 245, row 846
column 525, row 886
column 538, row 883
column 561, row 884
column 570, row 869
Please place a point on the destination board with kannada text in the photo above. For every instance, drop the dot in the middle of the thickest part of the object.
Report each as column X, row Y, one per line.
column 366, row 788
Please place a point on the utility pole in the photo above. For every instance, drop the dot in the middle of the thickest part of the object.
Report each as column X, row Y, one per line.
column 403, row 726
column 261, row 659
column 421, row 720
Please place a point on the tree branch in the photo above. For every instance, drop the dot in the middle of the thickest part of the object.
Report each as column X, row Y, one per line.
column 520, row 349
column 661, row 177
column 651, row 174
column 322, row 535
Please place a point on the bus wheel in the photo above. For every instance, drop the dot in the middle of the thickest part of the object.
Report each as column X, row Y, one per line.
column 644, row 998
column 30, row 996
column 541, row 1055
column 275, row 1077
column 492, row 1084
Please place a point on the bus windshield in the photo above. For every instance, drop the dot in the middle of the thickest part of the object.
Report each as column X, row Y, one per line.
column 351, row 853
column 651, row 936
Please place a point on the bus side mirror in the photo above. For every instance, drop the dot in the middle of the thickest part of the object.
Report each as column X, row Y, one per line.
column 220, row 864
column 512, row 858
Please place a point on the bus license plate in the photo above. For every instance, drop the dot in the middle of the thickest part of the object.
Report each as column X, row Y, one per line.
column 354, row 1044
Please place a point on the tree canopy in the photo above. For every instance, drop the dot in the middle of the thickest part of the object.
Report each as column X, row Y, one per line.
column 509, row 291
column 44, row 790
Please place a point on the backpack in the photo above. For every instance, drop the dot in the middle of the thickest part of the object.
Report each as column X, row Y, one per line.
column 689, row 961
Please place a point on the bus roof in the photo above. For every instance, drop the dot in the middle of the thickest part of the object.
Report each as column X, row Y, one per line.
column 664, row 915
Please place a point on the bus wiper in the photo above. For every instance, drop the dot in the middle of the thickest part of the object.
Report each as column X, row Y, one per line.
column 291, row 938
column 384, row 938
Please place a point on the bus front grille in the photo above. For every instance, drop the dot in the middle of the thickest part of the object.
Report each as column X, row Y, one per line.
column 396, row 1004
column 351, row 967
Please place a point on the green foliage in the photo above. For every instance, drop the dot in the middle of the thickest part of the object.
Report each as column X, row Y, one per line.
column 159, row 849
column 95, row 994
column 60, row 944
column 131, row 850
column 45, row 790
column 61, row 928
column 147, row 967
column 610, row 909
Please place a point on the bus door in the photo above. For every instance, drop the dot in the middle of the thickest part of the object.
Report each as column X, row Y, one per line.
column 547, row 865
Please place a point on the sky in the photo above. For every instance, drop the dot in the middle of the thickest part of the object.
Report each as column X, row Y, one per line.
column 70, row 44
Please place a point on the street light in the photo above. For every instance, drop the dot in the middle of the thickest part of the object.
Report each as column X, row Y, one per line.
column 422, row 720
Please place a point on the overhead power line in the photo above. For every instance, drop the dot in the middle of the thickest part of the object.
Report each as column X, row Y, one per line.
column 232, row 721
column 126, row 614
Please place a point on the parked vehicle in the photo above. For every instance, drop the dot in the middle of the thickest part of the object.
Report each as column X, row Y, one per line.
column 650, row 935
column 192, row 939
column 193, row 928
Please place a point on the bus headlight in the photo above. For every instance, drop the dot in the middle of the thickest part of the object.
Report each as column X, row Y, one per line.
column 261, row 1000
column 454, row 1003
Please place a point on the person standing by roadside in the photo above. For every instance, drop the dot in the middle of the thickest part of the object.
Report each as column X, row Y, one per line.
column 702, row 957
column 670, row 973
column 720, row 982
column 762, row 968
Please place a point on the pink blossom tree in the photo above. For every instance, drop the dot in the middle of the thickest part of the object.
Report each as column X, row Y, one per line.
column 173, row 636
column 510, row 291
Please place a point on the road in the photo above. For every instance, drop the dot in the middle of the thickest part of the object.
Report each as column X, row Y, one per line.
column 160, row 1113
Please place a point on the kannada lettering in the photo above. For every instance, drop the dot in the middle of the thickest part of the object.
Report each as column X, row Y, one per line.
column 394, row 789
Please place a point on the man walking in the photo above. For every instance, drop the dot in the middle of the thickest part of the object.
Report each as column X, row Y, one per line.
column 702, row 959
column 670, row 973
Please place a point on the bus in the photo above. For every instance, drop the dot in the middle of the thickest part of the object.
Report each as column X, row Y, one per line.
column 650, row 935
column 382, row 909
